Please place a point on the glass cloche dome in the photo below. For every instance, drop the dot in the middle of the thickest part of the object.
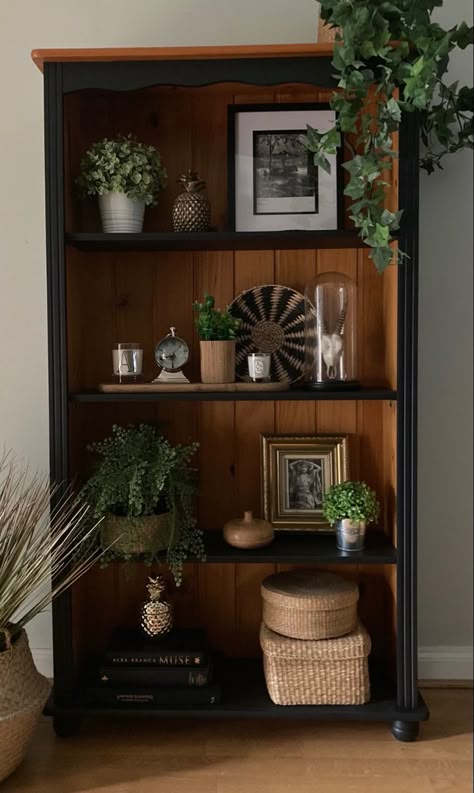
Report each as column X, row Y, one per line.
column 331, row 332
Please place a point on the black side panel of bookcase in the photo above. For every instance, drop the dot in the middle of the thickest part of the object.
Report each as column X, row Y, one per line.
column 57, row 351
column 407, row 416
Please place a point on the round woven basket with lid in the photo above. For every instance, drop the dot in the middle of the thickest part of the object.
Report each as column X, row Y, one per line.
column 309, row 604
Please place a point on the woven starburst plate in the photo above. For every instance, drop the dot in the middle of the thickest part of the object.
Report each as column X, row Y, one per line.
column 272, row 321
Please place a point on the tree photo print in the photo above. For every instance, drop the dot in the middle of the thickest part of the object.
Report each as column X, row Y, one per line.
column 285, row 178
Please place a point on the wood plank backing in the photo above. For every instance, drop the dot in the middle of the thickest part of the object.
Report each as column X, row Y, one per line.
column 250, row 269
column 295, row 269
column 138, row 296
column 213, row 273
column 390, row 294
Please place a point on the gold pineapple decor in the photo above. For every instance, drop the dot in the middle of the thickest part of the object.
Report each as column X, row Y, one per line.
column 156, row 614
column 191, row 208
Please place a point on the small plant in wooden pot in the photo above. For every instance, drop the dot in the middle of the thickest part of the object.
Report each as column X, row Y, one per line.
column 126, row 176
column 216, row 331
column 144, row 489
column 350, row 506
column 36, row 545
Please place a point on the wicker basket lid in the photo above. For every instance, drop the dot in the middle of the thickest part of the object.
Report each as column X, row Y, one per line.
column 309, row 589
column 353, row 645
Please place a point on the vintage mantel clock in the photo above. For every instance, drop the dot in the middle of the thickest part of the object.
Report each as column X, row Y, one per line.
column 171, row 354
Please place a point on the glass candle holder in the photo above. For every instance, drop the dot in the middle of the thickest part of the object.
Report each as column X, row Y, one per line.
column 127, row 361
column 259, row 366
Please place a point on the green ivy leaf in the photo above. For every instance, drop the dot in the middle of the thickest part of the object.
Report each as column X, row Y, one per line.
column 382, row 257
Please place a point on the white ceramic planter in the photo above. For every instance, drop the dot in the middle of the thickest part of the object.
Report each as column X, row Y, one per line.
column 121, row 214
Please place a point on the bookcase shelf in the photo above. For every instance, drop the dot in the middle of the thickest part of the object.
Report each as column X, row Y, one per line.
column 252, row 701
column 292, row 395
column 215, row 241
column 307, row 548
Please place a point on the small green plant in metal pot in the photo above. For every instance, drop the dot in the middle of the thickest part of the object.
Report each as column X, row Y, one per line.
column 126, row 175
column 144, row 489
column 350, row 506
column 217, row 331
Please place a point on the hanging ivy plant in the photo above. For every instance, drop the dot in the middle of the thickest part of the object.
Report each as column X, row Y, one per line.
column 377, row 82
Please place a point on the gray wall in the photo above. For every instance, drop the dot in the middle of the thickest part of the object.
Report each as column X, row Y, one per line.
column 445, row 341
column 445, row 388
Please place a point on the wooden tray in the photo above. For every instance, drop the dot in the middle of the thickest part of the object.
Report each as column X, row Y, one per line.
column 147, row 388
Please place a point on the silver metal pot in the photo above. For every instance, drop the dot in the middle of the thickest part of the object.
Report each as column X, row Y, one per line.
column 350, row 535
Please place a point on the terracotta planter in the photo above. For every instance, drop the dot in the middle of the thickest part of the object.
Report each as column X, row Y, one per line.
column 248, row 532
column 23, row 693
column 217, row 361
column 136, row 536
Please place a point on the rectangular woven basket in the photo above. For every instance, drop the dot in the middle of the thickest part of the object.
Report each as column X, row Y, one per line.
column 321, row 672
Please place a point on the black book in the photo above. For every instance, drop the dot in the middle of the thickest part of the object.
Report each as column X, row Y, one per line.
column 155, row 676
column 134, row 696
column 181, row 647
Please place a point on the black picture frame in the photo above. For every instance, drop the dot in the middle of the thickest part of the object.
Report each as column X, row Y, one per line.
column 233, row 111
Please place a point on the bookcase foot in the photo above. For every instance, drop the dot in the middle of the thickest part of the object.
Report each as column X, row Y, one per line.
column 406, row 731
column 65, row 726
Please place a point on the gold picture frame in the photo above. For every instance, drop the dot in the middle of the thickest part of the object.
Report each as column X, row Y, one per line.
column 296, row 472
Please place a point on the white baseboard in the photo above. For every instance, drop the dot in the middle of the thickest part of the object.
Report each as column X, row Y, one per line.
column 445, row 663
column 44, row 661
column 434, row 663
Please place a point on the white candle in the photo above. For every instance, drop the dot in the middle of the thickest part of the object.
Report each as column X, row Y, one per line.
column 259, row 366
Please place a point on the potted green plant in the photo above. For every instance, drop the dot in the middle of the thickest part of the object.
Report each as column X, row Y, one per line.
column 216, row 330
column 391, row 58
column 37, row 546
column 350, row 506
column 144, row 488
column 126, row 175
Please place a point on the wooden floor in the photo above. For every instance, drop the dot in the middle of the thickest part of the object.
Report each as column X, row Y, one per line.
column 255, row 757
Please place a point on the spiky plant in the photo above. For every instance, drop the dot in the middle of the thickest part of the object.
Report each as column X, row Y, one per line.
column 38, row 545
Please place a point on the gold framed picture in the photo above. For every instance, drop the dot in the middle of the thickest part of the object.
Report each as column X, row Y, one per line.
column 297, row 470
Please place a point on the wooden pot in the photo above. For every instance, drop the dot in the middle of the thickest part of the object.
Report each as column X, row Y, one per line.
column 248, row 532
column 217, row 361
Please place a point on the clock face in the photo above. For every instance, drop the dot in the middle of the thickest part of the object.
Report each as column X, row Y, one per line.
column 171, row 353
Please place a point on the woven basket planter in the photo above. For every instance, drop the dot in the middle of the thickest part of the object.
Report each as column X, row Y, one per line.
column 23, row 693
column 136, row 536
column 309, row 604
column 323, row 672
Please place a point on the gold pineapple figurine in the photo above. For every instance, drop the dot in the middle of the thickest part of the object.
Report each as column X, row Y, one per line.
column 156, row 614
column 191, row 208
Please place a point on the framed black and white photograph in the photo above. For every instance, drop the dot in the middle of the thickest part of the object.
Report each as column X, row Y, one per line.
column 273, row 182
column 297, row 470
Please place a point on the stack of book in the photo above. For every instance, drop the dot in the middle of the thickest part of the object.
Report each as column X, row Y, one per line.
column 173, row 671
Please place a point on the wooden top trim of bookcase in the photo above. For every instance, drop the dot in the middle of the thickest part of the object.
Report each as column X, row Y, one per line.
column 40, row 57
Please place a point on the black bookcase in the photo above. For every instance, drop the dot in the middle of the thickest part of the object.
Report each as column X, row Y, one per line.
column 71, row 80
